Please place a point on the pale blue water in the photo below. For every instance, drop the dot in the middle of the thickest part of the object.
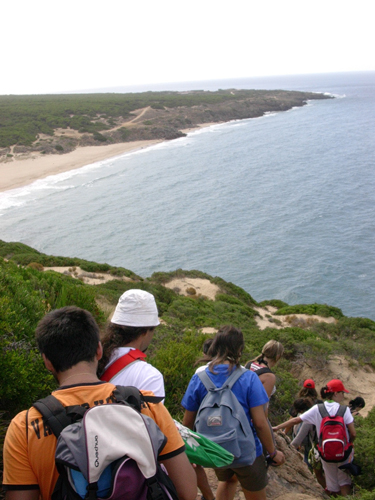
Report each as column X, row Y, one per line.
column 283, row 205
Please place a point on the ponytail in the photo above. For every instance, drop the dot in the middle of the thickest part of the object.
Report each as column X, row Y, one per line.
column 325, row 393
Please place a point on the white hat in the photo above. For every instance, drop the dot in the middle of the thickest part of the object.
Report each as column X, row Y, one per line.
column 136, row 308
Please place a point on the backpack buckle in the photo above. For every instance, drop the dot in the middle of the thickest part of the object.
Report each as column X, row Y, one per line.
column 92, row 490
column 155, row 492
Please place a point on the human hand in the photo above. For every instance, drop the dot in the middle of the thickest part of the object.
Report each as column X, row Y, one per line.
column 278, row 459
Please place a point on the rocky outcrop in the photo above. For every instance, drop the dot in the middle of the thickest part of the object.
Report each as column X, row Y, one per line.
column 291, row 481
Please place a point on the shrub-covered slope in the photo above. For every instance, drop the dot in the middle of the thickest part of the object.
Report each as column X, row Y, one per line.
column 27, row 293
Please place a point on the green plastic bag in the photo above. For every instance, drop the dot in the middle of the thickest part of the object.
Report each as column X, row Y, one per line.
column 203, row 451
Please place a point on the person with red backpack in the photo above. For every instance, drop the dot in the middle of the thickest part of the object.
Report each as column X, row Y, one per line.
column 334, row 425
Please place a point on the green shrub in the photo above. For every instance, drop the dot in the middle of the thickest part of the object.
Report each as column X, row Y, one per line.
column 36, row 265
column 175, row 358
column 312, row 309
column 99, row 137
column 365, row 450
column 26, row 295
column 274, row 303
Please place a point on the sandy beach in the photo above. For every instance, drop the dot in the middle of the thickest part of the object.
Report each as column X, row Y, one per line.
column 25, row 170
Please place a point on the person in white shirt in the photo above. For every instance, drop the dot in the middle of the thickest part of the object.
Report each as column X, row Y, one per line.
column 126, row 340
column 338, row 481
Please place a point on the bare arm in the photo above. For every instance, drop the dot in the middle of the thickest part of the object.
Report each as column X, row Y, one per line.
column 22, row 495
column 182, row 475
column 264, row 433
column 352, row 432
column 288, row 424
column 189, row 419
column 268, row 380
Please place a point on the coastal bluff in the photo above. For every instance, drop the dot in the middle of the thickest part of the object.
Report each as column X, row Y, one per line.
column 58, row 124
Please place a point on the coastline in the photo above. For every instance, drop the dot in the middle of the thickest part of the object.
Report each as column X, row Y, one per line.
column 24, row 170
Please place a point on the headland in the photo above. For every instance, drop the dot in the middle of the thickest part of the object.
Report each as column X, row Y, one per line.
column 47, row 135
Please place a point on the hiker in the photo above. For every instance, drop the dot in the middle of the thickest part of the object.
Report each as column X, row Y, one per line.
column 338, row 480
column 68, row 340
column 249, row 395
column 202, row 480
column 356, row 405
column 304, row 434
column 300, row 405
column 308, row 391
column 262, row 364
column 126, row 339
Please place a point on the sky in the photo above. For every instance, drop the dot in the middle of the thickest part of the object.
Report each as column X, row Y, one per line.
column 60, row 46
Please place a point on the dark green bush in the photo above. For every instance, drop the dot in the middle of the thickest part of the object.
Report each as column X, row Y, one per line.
column 365, row 450
column 175, row 358
column 99, row 137
column 312, row 309
column 274, row 303
column 26, row 295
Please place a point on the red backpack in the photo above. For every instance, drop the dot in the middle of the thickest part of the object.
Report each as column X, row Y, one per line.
column 333, row 444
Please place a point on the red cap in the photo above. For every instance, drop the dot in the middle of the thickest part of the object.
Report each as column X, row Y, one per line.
column 336, row 385
column 309, row 384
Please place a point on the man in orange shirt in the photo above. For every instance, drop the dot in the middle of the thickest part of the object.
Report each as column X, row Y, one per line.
column 68, row 340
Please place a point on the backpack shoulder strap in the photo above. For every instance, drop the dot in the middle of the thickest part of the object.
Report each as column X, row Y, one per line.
column 341, row 411
column 121, row 363
column 262, row 370
column 133, row 397
column 207, row 382
column 323, row 410
column 54, row 413
column 235, row 375
column 231, row 380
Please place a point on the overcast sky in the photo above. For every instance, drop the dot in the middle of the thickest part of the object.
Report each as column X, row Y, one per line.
column 53, row 46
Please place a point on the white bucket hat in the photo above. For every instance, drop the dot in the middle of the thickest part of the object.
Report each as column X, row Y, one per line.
column 136, row 308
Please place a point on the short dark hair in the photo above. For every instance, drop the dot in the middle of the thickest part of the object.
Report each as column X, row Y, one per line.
column 357, row 402
column 68, row 336
column 302, row 404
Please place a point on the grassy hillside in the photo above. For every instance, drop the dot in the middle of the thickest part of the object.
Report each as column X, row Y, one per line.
column 27, row 293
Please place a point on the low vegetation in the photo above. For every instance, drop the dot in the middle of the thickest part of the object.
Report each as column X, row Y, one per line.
column 27, row 293
column 56, row 124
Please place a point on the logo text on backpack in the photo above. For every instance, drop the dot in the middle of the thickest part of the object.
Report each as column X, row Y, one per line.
column 96, row 448
column 214, row 421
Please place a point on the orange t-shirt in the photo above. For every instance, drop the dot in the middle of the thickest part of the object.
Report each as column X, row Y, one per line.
column 29, row 447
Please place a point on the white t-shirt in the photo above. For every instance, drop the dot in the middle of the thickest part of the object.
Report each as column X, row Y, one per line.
column 138, row 374
column 201, row 368
column 312, row 416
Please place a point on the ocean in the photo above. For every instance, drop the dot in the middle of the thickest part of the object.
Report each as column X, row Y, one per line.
column 282, row 205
